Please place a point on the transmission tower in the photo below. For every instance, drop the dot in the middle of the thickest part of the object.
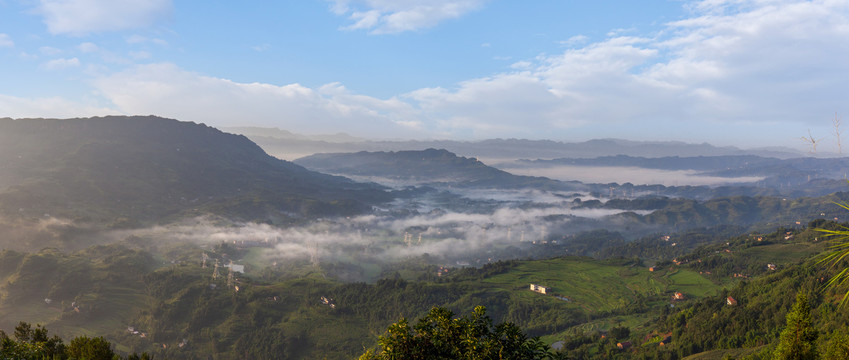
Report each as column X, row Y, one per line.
column 230, row 276
column 215, row 273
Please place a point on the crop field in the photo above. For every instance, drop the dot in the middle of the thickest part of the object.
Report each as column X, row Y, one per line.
column 598, row 285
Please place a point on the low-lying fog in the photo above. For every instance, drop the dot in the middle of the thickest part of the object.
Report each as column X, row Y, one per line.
column 447, row 227
column 491, row 224
column 623, row 174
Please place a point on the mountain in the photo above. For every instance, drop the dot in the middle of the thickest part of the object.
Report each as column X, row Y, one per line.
column 722, row 165
column 151, row 168
column 287, row 145
column 430, row 166
column 252, row 131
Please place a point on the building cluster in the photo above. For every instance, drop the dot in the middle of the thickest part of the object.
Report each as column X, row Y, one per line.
column 328, row 301
column 134, row 331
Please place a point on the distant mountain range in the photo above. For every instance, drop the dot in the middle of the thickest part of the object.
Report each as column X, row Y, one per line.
column 150, row 168
column 797, row 177
column 289, row 146
column 425, row 167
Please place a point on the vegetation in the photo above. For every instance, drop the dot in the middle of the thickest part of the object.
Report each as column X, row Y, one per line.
column 798, row 339
column 298, row 313
column 33, row 344
column 838, row 253
column 438, row 335
column 125, row 171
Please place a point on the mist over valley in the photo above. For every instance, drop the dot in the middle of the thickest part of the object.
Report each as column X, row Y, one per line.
column 137, row 220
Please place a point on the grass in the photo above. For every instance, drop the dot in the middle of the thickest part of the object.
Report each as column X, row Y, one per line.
column 599, row 286
column 692, row 284
column 783, row 253
column 724, row 353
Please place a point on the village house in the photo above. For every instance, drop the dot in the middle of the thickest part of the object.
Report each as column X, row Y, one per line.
column 540, row 289
column 623, row 345
column 678, row 296
column 730, row 301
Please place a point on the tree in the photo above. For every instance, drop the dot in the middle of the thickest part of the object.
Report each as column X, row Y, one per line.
column 84, row 347
column 798, row 339
column 838, row 346
column 620, row 332
column 440, row 336
column 30, row 343
column 34, row 344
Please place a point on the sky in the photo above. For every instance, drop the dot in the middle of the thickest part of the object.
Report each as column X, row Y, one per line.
column 749, row 73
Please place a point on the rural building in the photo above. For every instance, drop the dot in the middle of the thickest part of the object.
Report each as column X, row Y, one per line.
column 770, row 266
column 540, row 289
column 678, row 296
column 623, row 345
column 730, row 301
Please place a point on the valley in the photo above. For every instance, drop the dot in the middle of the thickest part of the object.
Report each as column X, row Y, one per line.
column 174, row 247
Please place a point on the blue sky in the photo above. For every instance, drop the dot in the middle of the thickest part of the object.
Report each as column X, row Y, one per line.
column 729, row 72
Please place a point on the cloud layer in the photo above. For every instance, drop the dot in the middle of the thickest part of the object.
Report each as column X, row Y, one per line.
column 80, row 17
column 167, row 90
column 756, row 71
column 395, row 16
column 735, row 62
column 6, row 41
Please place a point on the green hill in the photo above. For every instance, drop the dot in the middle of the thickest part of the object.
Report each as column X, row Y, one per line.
column 131, row 169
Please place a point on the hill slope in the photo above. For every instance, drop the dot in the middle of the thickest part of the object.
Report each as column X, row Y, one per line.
column 428, row 166
column 150, row 168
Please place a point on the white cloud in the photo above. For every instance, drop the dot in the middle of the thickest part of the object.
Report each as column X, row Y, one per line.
column 81, row 17
column 6, row 41
column 395, row 16
column 140, row 55
column 261, row 48
column 165, row 89
column 138, row 39
column 575, row 40
column 59, row 64
column 733, row 69
column 88, row 47
column 49, row 51
column 52, row 107
column 739, row 63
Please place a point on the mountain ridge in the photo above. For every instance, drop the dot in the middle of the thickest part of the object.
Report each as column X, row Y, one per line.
column 149, row 167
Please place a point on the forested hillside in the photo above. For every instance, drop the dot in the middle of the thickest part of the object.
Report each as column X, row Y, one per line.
column 169, row 305
column 131, row 170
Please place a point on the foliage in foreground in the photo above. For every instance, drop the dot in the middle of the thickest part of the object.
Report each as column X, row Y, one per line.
column 33, row 344
column 839, row 251
column 439, row 336
column 798, row 339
